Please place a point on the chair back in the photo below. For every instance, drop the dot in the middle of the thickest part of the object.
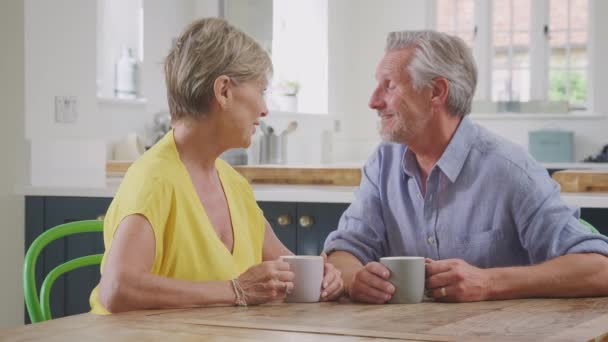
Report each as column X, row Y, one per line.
column 590, row 226
column 39, row 308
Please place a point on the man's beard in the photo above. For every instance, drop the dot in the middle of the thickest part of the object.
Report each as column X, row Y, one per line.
column 399, row 132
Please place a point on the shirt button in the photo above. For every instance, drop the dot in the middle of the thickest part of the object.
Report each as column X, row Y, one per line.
column 431, row 240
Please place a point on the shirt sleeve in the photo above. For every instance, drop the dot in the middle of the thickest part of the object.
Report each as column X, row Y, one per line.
column 547, row 226
column 361, row 230
column 149, row 197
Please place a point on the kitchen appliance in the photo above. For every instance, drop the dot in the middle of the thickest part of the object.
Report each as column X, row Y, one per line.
column 273, row 147
column 551, row 145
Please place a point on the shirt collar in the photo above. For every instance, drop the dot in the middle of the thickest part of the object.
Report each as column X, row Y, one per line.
column 454, row 156
column 456, row 153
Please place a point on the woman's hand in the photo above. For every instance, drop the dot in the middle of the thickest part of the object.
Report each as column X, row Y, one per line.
column 332, row 286
column 265, row 282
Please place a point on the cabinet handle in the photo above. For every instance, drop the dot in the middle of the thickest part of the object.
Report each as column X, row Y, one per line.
column 284, row 220
column 101, row 217
column 306, row 221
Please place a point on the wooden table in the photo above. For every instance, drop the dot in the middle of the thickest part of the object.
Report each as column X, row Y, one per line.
column 516, row 320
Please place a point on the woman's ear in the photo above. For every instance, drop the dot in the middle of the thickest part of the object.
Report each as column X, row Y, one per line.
column 441, row 88
column 222, row 91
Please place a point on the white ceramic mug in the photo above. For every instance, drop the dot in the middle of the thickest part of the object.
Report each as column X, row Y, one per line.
column 407, row 275
column 308, row 271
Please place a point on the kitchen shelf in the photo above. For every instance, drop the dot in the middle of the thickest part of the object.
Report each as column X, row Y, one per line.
column 118, row 101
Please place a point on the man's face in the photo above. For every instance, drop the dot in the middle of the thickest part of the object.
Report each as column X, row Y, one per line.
column 404, row 111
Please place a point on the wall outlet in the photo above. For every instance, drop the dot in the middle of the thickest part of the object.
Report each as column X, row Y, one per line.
column 66, row 110
column 337, row 126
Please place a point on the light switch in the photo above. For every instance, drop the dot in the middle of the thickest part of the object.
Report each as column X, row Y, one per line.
column 66, row 110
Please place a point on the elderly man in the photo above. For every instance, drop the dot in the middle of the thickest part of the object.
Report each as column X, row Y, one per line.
column 486, row 216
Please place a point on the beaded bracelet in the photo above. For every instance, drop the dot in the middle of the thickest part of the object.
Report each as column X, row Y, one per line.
column 239, row 293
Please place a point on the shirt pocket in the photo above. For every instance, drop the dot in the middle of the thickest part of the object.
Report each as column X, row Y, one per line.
column 487, row 248
column 484, row 238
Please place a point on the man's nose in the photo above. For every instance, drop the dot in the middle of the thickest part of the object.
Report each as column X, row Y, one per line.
column 375, row 101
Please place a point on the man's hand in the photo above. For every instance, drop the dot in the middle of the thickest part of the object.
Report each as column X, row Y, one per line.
column 370, row 284
column 454, row 280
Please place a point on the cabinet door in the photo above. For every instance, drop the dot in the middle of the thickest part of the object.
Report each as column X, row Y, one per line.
column 281, row 216
column 315, row 222
column 34, row 226
column 70, row 294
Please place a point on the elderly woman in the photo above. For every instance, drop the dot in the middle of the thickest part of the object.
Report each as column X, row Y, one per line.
column 184, row 228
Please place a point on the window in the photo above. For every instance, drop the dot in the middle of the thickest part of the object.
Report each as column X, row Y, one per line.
column 456, row 17
column 120, row 30
column 511, row 53
column 532, row 55
column 295, row 28
column 568, row 61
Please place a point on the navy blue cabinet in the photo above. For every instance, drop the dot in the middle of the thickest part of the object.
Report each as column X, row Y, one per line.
column 598, row 217
column 70, row 293
column 303, row 227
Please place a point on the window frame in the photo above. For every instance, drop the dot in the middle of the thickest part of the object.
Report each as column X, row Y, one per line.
column 483, row 49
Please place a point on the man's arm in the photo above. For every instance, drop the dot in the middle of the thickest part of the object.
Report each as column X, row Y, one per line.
column 572, row 275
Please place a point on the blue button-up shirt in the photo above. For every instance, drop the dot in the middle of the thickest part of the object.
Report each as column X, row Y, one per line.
column 487, row 202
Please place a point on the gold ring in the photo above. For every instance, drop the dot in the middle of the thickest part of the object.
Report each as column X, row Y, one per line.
column 442, row 290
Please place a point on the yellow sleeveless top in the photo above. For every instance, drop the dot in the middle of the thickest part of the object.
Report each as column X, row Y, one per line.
column 159, row 187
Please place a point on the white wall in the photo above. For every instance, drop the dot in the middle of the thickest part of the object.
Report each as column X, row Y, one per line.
column 61, row 52
column 60, row 59
column 357, row 33
column 12, row 154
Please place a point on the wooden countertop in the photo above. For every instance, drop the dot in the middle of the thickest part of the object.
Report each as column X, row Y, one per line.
column 581, row 319
column 279, row 174
column 582, row 180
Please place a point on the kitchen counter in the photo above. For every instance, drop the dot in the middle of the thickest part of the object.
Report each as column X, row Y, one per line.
column 289, row 193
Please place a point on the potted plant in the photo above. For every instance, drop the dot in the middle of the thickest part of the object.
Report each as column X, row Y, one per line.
column 288, row 96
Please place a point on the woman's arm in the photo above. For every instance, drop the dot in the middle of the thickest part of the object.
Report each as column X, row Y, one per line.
column 128, row 284
column 273, row 247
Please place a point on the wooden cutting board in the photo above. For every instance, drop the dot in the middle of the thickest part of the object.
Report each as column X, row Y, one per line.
column 278, row 174
column 316, row 175
column 582, row 180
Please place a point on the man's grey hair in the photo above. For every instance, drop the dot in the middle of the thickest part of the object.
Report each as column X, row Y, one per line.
column 440, row 55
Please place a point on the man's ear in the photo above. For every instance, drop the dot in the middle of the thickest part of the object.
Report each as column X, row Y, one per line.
column 222, row 91
column 441, row 88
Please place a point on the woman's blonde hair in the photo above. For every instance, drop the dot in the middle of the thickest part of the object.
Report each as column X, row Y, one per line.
column 206, row 49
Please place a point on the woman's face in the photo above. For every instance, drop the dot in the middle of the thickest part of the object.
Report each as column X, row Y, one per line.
column 248, row 105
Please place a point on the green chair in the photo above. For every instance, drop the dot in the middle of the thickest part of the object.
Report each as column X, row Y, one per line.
column 590, row 226
column 39, row 309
